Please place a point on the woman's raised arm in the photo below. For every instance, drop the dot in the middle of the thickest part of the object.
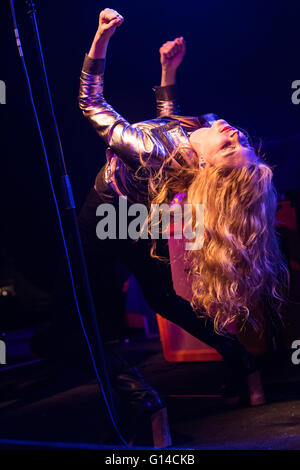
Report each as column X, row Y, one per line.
column 129, row 142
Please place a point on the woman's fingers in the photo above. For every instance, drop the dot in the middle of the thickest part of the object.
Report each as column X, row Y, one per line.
column 110, row 16
column 172, row 53
column 172, row 48
column 169, row 49
column 112, row 23
column 109, row 21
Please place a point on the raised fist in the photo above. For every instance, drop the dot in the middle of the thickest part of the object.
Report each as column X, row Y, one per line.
column 109, row 20
column 172, row 53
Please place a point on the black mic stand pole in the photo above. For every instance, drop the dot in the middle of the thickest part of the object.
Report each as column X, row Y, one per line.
column 82, row 275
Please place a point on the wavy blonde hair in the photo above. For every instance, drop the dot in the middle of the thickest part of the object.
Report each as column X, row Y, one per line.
column 240, row 267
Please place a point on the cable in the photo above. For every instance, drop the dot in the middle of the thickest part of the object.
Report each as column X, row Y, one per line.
column 19, row 45
column 29, row 444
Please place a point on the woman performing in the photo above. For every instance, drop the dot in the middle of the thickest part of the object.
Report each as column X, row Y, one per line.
column 155, row 160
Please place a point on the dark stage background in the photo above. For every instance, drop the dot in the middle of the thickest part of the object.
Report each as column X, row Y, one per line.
column 242, row 57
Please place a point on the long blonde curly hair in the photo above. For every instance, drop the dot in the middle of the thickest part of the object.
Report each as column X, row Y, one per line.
column 240, row 267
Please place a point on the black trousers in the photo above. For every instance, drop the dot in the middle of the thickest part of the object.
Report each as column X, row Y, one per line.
column 104, row 258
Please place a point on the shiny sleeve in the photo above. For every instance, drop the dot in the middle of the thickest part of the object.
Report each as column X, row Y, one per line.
column 129, row 142
column 166, row 100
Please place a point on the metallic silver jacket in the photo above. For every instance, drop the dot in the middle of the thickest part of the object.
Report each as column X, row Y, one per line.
column 151, row 141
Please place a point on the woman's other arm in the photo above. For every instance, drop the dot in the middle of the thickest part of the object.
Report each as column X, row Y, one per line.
column 171, row 56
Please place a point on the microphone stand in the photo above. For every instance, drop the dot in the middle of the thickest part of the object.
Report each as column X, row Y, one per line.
column 81, row 274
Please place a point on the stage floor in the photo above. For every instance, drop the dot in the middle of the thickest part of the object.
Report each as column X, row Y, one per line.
column 59, row 401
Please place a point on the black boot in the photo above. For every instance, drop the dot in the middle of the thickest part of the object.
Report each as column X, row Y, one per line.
column 128, row 383
column 242, row 379
column 142, row 412
column 137, row 393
